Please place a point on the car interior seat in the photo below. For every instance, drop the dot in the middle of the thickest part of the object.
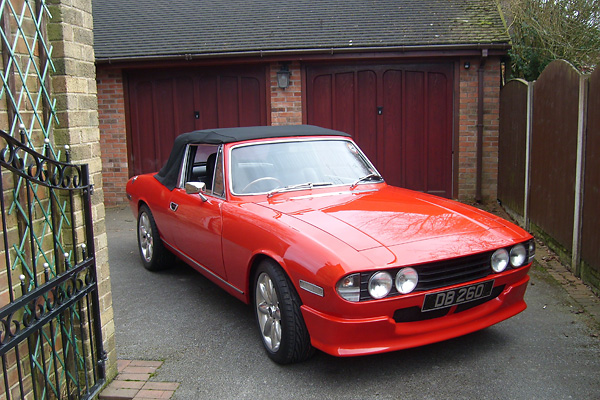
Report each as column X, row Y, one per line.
column 210, row 170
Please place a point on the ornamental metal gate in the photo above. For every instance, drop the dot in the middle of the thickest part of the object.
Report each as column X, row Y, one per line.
column 50, row 332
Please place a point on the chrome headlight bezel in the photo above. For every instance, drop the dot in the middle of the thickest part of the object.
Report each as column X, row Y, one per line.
column 380, row 284
column 499, row 260
column 518, row 255
column 406, row 280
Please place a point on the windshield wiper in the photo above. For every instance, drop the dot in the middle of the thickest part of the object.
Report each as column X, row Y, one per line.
column 308, row 185
column 369, row 177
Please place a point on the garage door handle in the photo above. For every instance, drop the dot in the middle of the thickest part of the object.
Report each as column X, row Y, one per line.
column 173, row 206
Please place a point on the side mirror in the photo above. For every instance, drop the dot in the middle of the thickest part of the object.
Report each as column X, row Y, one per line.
column 196, row 188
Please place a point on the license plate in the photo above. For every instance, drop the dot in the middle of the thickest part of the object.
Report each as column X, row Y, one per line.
column 465, row 294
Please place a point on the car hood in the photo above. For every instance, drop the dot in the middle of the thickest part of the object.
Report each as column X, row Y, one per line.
column 397, row 218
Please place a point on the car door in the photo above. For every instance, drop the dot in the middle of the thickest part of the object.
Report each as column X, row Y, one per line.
column 197, row 220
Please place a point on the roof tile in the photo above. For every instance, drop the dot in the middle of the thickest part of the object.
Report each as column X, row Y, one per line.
column 162, row 28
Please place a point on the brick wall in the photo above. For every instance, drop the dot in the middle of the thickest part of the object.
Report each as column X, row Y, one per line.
column 113, row 138
column 467, row 131
column 286, row 104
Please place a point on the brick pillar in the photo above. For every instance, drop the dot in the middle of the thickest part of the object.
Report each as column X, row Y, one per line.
column 286, row 104
column 491, row 122
column 467, row 132
column 74, row 87
column 113, row 137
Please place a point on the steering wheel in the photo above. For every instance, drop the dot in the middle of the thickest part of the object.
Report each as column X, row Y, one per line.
column 259, row 180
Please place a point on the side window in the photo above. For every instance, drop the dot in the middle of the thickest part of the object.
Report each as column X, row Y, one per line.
column 201, row 164
column 219, row 181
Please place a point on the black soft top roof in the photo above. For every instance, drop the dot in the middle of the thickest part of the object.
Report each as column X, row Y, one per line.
column 169, row 173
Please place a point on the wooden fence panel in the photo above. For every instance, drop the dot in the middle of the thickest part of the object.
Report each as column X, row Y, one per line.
column 512, row 145
column 590, row 244
column 554, row 151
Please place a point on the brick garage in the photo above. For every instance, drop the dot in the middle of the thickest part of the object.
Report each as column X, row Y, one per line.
column 471, row 176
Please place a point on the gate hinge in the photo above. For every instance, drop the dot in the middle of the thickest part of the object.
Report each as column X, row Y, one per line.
column 91, row 190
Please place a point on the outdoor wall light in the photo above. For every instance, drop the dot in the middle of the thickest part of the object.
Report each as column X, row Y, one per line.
column 467, row 65
column 283, row 76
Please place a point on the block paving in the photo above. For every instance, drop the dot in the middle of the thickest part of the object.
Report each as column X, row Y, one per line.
column 582, row 294
column 132, row 382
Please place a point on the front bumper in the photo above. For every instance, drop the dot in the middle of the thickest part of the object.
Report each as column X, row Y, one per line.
column 352, row 337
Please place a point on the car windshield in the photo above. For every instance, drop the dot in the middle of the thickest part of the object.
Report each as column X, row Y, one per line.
column 276, row 167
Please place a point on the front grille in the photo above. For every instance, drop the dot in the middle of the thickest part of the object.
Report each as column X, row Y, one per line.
column 453, row 272
column 439, row 274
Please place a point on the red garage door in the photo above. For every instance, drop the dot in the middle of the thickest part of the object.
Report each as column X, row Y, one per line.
column 166, row 103
column 400, row 115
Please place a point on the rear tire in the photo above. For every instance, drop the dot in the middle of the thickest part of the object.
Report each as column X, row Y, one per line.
column 278, row 315
column 153, row 253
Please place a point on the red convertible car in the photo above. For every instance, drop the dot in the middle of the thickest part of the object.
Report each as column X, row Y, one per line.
column 296, row 221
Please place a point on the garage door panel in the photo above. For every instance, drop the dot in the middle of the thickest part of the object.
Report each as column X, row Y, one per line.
column 440, row 155
column 344, row 102
column 228, row 102
column 164, row 117
column 366, row 113
column 144, row 145
column 249, row 107
column 393, row 118
column 415, row 139
column 322, row 111
column 166, row 103
column 207, row 101
column 184, row 101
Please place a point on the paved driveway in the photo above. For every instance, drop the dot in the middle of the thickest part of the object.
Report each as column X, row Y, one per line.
column 209, row 343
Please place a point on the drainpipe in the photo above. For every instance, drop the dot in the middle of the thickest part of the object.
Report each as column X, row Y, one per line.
column 480, row 76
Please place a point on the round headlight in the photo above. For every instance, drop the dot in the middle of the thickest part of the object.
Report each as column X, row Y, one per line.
column 518, row 255
column 499, row 260
column 406, row 280
column 380, row 285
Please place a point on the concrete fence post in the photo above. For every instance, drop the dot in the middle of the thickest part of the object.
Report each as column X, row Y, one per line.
column 579, row 175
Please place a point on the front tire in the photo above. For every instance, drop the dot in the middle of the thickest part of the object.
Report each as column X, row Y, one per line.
column 153, row 253
column 278, row 315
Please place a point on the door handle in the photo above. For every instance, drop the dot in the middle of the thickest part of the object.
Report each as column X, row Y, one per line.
column 173, row 206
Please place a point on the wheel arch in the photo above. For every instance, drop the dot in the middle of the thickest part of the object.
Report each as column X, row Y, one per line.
column 256, row 260
column 139, row 205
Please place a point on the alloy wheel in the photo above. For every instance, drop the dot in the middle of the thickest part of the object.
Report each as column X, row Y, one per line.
column 268, row 312
column 146, row 239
